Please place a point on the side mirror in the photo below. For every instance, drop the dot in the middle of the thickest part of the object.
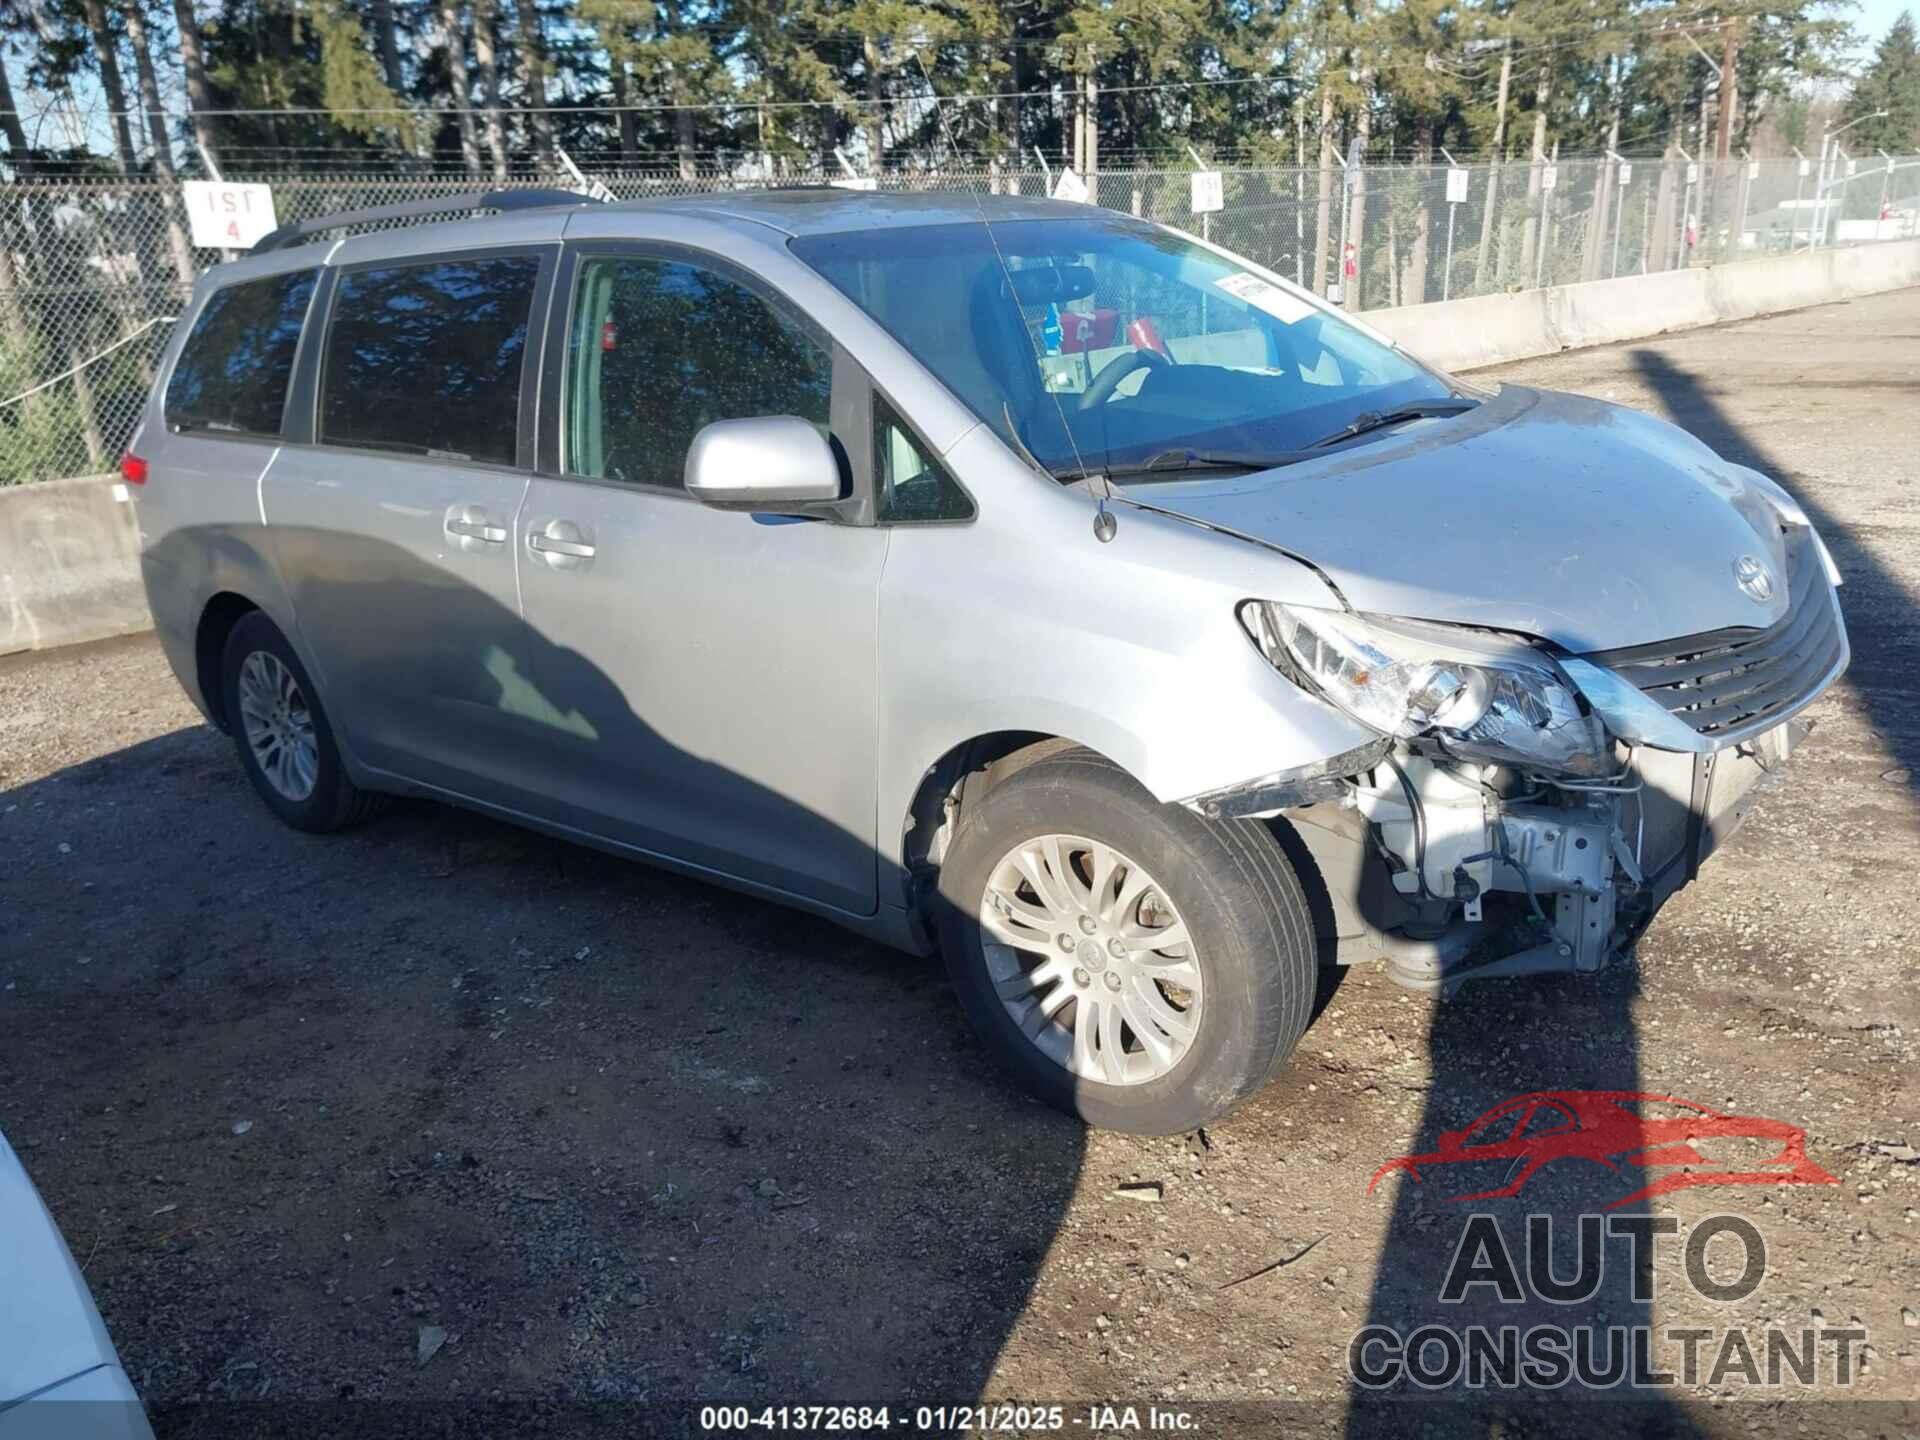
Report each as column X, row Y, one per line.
column 776, row 463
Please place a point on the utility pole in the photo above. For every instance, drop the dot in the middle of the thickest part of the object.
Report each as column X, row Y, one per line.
column 1323, row 220
column 1530, row 238
column 1493, row 172
column 1299, row 196
column 1093, row 122
column 1080, row 124
column 1729, row 83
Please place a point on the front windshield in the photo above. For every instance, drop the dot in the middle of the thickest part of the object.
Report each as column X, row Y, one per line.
column 1104, row 342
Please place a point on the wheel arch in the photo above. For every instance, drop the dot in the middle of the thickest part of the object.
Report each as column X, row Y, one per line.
column 964, row 772
column 223, row 610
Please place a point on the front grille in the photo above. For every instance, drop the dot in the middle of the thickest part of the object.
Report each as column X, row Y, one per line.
column 1734, row 681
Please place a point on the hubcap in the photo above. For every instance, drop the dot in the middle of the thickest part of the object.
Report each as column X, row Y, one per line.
column 1091, row 960
column 278, row 725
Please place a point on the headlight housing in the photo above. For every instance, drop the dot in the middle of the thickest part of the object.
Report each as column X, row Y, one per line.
column 1482, row 696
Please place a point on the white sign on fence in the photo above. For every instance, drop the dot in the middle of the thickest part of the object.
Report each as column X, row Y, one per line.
column 1753, row 169
column 1693, row 174
column 1626, row 174
column 1456, row 186
column 1806, row 167
column 1209, row 194
column 1071, row 187
column 228, row 217
column 1853, row 168
column 855, row 182
column 1549, row 177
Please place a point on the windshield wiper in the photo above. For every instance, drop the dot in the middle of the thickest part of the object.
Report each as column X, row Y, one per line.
column 1368, row 420
column 1177, row 462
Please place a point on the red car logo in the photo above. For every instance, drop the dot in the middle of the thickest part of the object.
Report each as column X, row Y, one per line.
column 1617, row 1128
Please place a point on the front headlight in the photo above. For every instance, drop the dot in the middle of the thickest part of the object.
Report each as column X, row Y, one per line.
column 1482, row 696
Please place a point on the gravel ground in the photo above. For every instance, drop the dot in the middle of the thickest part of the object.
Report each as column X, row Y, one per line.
column 618, row 1136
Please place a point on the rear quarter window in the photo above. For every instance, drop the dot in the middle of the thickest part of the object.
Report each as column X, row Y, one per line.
column 233, row 371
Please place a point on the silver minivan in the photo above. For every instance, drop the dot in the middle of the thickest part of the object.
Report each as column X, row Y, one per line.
column 999, row 577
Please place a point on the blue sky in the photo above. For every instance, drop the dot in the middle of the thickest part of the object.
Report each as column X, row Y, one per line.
column 1874, row 16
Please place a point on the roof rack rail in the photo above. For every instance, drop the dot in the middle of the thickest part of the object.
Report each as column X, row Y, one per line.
column 530, row 199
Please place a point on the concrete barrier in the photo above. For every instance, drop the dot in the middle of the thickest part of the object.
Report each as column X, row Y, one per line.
column 69, row 555
column 69, row 564
column 1493, row 329
column 1603, row 312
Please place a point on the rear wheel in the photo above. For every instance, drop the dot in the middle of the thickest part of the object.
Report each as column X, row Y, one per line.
column 286, row 745
column 1132, row 963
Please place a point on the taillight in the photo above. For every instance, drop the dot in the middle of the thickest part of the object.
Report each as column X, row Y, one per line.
column 133, row 469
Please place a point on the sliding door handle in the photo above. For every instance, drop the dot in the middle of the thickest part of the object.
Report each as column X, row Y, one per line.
column 471, row 527
column 479, row 530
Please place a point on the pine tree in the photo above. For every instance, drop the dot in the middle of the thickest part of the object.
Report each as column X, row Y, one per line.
column 1890, row 83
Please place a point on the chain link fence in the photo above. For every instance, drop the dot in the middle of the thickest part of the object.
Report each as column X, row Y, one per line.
column 92, row 272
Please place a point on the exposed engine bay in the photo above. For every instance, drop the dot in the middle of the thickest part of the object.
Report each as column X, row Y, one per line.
column 1458, row 871
column 1523, row 809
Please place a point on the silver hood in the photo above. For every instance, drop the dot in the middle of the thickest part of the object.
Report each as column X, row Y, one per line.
column 1583, row 523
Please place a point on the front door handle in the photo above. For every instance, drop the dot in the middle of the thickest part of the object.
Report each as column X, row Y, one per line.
column 562, row 544
column 472, row 528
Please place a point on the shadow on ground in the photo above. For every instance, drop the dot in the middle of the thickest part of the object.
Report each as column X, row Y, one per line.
column 353, row 1132
column 1482, row 1055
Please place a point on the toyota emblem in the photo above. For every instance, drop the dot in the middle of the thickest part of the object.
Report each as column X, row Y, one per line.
column 1754, row 579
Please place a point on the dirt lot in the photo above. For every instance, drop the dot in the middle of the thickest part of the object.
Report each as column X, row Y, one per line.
column 627, row 1138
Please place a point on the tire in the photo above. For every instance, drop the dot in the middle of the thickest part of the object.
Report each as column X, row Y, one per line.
column 330, row 801
column 1250, row 945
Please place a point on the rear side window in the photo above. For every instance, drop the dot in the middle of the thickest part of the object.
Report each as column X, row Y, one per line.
column 233, row 371
column 425, row 359
column 661, row 348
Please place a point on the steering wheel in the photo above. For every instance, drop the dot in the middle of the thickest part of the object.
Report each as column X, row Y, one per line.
column 1116, row 370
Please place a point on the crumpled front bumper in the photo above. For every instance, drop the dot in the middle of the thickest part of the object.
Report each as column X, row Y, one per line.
column 1690, row 805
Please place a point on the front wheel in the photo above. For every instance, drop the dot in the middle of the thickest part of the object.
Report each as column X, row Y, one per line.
column 1133, row 964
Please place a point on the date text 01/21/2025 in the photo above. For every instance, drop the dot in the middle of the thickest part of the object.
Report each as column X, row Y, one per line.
column 946, row 1419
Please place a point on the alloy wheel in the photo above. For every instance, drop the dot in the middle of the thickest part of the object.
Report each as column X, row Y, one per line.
column 278, row 725
column 1091, row 959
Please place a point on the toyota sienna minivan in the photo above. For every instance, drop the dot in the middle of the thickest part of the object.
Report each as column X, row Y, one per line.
column 998, row 577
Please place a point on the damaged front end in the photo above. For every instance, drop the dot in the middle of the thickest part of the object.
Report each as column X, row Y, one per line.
column 1524, row 810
